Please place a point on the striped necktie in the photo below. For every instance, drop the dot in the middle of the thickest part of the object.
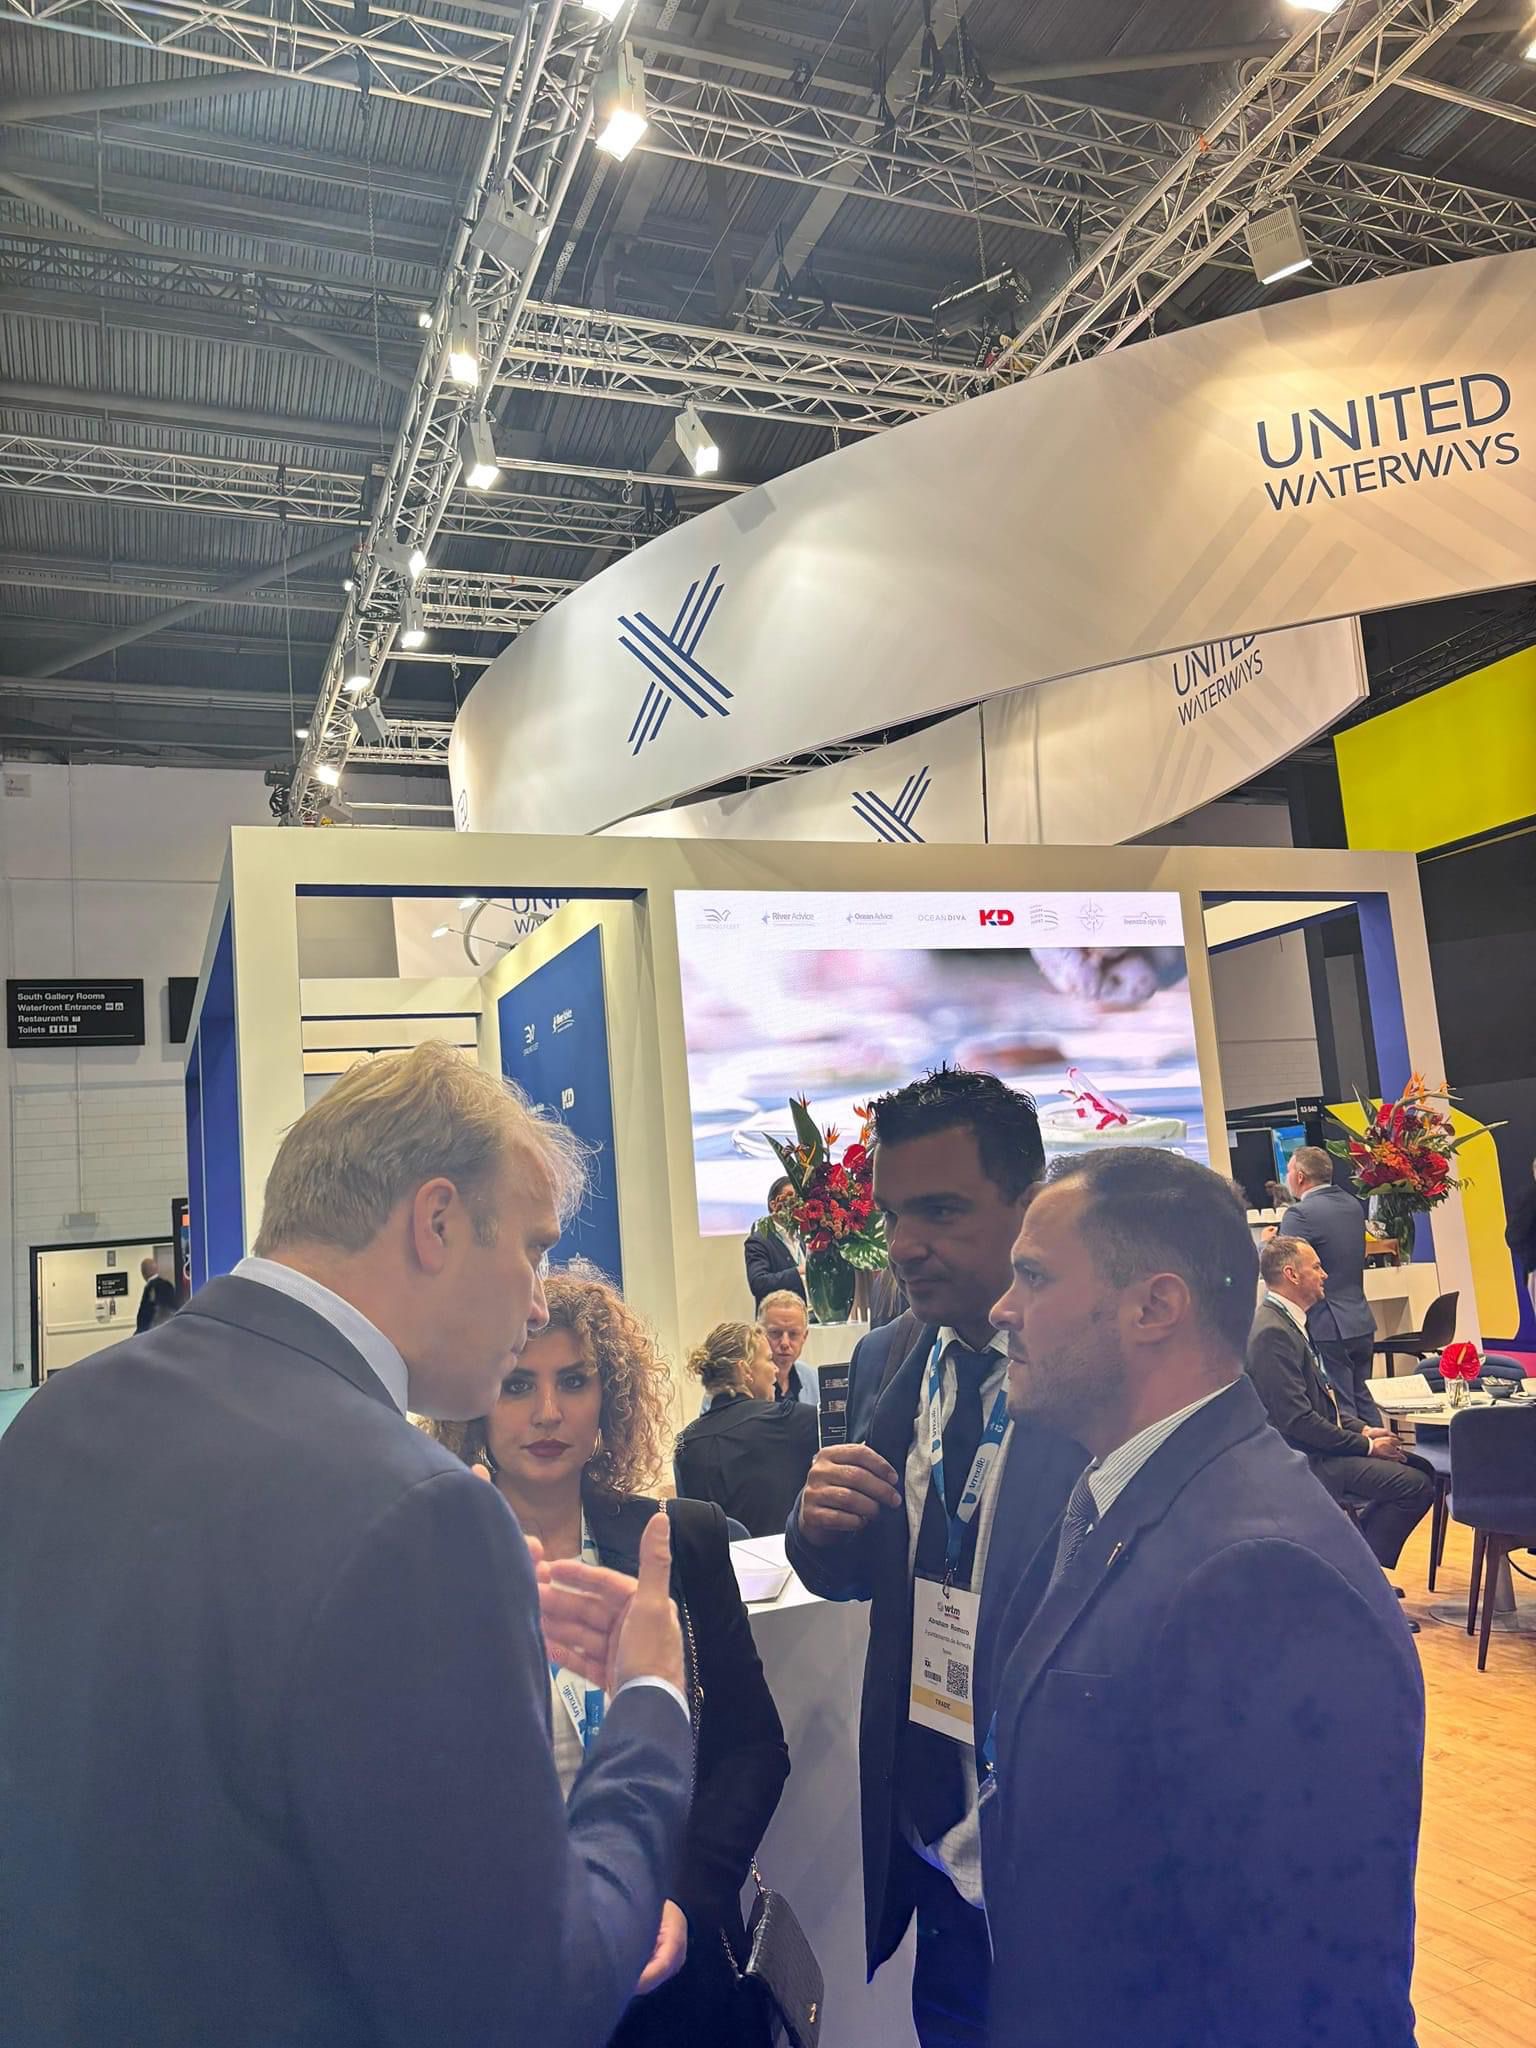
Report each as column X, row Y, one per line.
column 1077, row 1525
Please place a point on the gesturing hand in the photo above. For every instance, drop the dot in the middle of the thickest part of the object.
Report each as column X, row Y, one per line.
column 670, row 1952
column 607, row 1627
column 846, row 1487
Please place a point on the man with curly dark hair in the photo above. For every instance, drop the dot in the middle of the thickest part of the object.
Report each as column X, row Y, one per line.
column 936, row 1492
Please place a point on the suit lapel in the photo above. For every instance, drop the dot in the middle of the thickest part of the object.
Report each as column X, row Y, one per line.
column 1234, row 1415
column 259, row 1311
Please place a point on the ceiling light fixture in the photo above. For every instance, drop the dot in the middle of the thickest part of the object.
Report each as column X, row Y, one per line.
column 1277, row 243
column 371, row 723
column 464, row 345
column 424, row 317
column 357, row 669
column 619, row 97
column 477, row 453
column 608, row 9
column 696, row 441
column 301, row 732
column 508, row 233
column 413, row 631
column 471, row 903
column 325, row 773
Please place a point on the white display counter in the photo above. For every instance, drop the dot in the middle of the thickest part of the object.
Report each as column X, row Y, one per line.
column 1400, row 1295
column 813, row 1657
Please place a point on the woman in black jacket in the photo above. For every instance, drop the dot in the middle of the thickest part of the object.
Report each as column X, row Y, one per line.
column 748, row 1452
column 578, row 1431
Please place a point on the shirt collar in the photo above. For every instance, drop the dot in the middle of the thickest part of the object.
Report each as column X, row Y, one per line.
column 378, row 1352
column 997, row 1342
column 1297, row 1316
column 1109, row 1477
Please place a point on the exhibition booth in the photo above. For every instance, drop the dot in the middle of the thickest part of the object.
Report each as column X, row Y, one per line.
column 672, row 1005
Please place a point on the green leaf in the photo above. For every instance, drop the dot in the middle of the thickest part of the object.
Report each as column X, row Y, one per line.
column 806, row 1132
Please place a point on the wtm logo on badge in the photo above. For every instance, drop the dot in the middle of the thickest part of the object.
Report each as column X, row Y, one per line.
column 669, row 657
column 1400, row 436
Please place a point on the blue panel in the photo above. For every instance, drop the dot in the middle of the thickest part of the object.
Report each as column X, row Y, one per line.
column 1389, row 1029
column 223, row 1231
column 197, row 1219
column 554, row 1045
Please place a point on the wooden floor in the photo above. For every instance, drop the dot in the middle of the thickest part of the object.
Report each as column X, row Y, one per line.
column 1475, row 1986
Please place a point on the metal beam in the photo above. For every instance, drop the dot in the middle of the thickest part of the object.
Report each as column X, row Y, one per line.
column 163, row 92
column 1278, row 123
column 162, row 622
column 142, row 580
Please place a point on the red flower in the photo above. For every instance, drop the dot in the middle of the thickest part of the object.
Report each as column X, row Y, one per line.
column 821, row 1242
column 856, row 1158
column 812, row 1212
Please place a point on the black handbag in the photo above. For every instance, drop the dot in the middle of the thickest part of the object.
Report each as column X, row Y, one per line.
column 783, row 1965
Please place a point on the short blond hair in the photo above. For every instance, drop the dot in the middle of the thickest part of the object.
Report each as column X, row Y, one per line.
column 721, row 1360
column 392, row 1123
column 783, row 1297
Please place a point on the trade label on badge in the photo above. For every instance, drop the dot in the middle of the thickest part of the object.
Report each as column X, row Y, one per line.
column 943, row 1658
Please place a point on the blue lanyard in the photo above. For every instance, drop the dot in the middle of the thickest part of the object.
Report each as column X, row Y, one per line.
column 983, row 1465
column 584, row 1703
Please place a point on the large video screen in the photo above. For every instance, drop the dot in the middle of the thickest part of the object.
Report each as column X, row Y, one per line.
column 1081, row 1000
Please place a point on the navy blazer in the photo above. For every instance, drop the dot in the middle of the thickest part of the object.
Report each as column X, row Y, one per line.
column 886, row 1377
column 1171, row 1857
column 275, row 1764
column 1333, row 1223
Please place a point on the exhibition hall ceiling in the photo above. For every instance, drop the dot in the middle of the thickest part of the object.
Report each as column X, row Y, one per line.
column 221, row 223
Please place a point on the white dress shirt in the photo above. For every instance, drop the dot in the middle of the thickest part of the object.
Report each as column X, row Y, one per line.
column 389, row 1367
column 958, row 1854
column 1109, row 1477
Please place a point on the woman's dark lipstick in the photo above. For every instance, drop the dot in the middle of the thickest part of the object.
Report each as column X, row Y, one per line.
column 547, row 1447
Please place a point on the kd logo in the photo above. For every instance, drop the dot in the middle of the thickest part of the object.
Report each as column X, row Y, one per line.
column 996, row 916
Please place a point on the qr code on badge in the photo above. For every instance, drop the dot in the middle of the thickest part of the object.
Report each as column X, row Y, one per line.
column 957, row 1681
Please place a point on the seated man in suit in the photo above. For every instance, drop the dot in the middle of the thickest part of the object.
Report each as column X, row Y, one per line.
column 275, row 1758
column 773, row 1254
column 1361, row 1464
column 1339, row 1322
column 782, row 1318
column 942, row 1495
column 1161, row 1858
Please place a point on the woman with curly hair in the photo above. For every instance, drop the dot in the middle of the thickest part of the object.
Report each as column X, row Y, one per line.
column 574, row 1440
column 748, row 1452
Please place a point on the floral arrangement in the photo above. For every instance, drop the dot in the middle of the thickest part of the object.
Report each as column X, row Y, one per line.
column 1404, row 1158
column 832, row 1210
column 1459, row 1367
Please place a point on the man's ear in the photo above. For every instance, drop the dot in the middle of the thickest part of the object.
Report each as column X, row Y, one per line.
column 431, row 1219
column 1163, row 1308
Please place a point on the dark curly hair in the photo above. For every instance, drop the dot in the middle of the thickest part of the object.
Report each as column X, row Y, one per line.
column 637, row 1387
column 1001, row 1119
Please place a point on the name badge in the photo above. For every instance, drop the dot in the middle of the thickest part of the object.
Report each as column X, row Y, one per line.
column 944, row 1658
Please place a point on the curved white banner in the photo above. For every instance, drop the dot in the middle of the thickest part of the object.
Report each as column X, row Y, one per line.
column 1346, row 453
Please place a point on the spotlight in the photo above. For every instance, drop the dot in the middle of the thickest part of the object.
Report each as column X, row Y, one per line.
column 464, row 345
column 424, row 317
column 470, row 902
column 416, row 561
column 508, row 233
column 301, row 732
column 370, row 722
column 1277, row 244
column 325, row 773
column 1317, row 6
column 406, row 558
column 413, row 632
column 477, row 452
column 357, row 669
column 608, row 9
column 348, row 584
column 619, row 97
column 442, row 931
column 696, row 442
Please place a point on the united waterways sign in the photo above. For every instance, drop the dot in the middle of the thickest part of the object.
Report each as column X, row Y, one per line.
column 1350, row 452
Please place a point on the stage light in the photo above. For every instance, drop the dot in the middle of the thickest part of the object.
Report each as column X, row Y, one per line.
column 696, row 442
column 1317, row 6
column 477, row 453
column 464, row 345
column 608, row 9
column 619, row 97
column 416, row 561
column 442, row 931
column 348, row 584
column 424, row 317
column 357, row 670
column 413, row 631
column 371, row 723
column 325, row 773
column 508, row 233
column 471, row 902
column 301, row 732
column 1277, row 244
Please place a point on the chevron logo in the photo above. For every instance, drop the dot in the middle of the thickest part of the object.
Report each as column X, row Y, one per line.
column 893, row 822
column 676, row 674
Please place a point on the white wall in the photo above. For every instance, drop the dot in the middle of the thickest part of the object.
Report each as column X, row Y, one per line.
column 1264, row 1023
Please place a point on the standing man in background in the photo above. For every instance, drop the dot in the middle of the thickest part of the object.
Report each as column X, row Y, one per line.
column 774, row 1255
column 939, row 1500
column 275, row 1757
column 1173, row 1857
column 1341, row 1325
column 158, row 1301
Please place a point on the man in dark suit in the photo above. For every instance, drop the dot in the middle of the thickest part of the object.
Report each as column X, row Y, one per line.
column 1340, row 1324
column 771, row 1252
column 1162, row 1863
column 158, row 1301
column 275, row 1759
column 1360, row 1464
column 883, row 1520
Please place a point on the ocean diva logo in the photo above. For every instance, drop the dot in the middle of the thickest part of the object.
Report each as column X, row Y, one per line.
column 1404, row 435
column 893, row 822
column 1206, row 676
column 677, row 676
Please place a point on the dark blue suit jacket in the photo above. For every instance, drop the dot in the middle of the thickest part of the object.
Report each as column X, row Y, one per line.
column 275, row 1767
column 886, row 1375
column 1172, row 1858
column 1333, row 1223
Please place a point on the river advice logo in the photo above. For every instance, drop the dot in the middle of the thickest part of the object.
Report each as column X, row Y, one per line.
column 1408, row 434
